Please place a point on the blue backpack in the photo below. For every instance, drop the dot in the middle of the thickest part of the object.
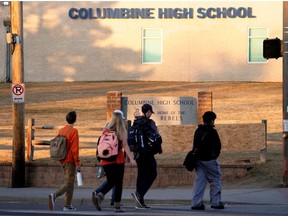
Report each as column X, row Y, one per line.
column 143, row 139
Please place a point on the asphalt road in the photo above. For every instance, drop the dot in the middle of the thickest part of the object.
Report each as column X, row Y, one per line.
column 31, row 209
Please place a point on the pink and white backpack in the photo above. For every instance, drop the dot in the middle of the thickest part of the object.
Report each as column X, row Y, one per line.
column 108, row 146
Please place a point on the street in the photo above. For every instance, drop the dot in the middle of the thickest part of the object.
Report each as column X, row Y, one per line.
column 86, row 208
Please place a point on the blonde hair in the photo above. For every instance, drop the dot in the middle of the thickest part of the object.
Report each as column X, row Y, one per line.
column 117, row 123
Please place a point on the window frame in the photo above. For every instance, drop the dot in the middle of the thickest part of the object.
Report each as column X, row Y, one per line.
column 161, row 44
column 249, row 44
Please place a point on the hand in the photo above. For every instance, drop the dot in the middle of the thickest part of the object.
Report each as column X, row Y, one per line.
column 132, row 162
column 78, row 169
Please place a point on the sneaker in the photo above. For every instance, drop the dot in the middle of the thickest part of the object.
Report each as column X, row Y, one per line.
column 137, row 202
column 112, row 203
column 140, row 207
column 119, row 210
column 97, row 200
column 52, row 199
column 198, row 207
column 221, row 205
column 69, row 208
column 145, row 206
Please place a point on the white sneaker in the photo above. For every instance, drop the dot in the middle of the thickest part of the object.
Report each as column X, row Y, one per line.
column 138, row 204
column 69, row 208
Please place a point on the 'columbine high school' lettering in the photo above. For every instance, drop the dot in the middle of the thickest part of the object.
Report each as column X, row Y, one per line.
column 163, row 13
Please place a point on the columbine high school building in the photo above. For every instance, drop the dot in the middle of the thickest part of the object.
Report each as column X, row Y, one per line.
column 151, row 41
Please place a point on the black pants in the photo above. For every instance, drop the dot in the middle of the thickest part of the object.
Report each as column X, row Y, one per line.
column 147, row 173
column 114, row 175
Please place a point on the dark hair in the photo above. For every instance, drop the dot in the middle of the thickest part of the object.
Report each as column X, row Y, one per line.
column 208, row 117
column 71, row 117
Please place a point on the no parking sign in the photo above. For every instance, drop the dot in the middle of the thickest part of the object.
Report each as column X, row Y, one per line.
column 18, row 92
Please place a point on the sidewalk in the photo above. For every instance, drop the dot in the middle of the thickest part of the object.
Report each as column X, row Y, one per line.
column 274, row 196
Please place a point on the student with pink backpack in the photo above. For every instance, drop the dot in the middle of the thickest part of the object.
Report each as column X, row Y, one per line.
column 113, row 166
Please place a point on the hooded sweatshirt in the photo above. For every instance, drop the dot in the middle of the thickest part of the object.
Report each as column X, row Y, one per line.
column 207, row 141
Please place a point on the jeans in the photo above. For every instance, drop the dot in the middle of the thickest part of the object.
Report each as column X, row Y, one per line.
column 100, row 188
column 207, row 171
column 114, row 174
column 147, row 173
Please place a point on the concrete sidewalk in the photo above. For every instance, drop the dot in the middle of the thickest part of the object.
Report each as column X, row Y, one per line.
column 274, row 196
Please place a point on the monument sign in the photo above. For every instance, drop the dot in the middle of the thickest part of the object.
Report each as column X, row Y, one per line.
column 168, row 110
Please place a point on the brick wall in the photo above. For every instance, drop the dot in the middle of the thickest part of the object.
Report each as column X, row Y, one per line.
column 205, row 103
column 234, row 137
column 176, row 138
column 47, row 175
column 115, row 48
column 113, row 102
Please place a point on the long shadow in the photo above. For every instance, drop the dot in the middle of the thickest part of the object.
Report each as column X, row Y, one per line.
column 67, row 58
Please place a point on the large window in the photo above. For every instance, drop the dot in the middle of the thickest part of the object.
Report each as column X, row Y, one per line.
column 256, row 37
column 151, row 46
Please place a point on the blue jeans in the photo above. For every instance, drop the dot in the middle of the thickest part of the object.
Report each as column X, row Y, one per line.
column 100, row 188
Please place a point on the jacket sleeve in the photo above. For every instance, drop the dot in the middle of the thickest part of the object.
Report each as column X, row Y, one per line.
column 74, row 147
column 197, row 139
column 153, row 125
column 217, row 143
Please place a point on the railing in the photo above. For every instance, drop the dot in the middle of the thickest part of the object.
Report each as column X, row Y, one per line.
column 32, row 142
column 93, row 132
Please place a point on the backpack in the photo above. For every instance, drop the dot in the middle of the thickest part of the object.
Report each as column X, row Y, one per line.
column 190, row 160
column 58, row 146
column 137, row 138
column 143, row 139
column 108, row 146
column 154, row 141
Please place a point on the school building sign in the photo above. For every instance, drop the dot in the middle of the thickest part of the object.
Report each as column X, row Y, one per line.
column 168, row 110
column 161, row 13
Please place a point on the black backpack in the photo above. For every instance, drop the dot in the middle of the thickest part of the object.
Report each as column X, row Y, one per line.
column 143, row 139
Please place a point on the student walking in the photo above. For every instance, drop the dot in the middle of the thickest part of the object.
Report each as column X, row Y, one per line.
column 207, row 141
column 146, row 162
column 114, row 169
column 70, row 164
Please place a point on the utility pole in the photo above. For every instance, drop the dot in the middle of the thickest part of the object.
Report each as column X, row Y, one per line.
column 285, row 93
column 7, row 24
column 18, row 150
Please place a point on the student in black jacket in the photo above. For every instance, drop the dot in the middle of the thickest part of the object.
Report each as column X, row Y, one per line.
column 146, row 163
column 207, row 141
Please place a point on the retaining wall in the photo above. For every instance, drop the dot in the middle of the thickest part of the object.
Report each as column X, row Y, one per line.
column 47, row 175
column 176, row 139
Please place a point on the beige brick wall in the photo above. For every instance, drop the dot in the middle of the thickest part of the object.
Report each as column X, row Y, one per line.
column 234, row 137
column 47, row 175
column 58, row 48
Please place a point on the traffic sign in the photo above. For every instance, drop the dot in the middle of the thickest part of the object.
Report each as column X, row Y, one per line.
column 18, row 92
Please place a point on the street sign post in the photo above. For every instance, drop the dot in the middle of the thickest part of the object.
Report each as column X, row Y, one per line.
column 18, row 93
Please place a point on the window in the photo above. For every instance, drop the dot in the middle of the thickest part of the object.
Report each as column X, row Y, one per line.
column 256, row 37
column 151, row 46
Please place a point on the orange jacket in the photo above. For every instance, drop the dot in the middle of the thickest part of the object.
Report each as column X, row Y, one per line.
column 72, row 145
